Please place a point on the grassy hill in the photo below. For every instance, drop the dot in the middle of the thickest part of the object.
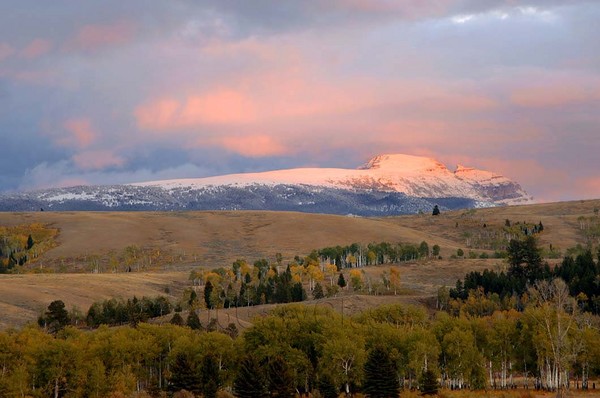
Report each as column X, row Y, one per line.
column 165, row 246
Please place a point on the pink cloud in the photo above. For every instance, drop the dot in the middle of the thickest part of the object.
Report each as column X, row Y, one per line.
column 589, row 188
column 252, row 145
column 36, row 48
column 97, row 159
column 81, row 133
column 92, row 37
column 221, row 107
column 6, row 51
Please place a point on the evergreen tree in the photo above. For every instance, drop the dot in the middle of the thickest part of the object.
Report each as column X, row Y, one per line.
column 208, row 289
column 298, row 292
column 318, row 292
column 56, row 317
column 327, row 388
column 193, row 321
column 341, row 281
column 30, row 242
column 429, row 384
column 249, row 381
column 184, row 374
column 436, row 210
column 280, row 378
column 380, row 375
column 210, row 377
column 177, row 320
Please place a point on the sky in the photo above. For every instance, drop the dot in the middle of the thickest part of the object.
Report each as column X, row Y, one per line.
column 109, row 92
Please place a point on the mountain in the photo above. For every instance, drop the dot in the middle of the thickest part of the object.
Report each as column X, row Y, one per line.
column 386, row 185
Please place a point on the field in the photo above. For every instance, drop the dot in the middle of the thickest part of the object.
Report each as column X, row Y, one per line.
column 93, row 248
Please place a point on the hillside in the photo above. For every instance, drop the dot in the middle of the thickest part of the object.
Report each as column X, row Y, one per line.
column 169, row 245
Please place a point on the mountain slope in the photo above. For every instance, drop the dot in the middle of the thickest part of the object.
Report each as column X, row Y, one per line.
column 386, row 185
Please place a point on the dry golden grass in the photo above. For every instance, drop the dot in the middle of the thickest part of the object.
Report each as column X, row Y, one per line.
column 214, row 239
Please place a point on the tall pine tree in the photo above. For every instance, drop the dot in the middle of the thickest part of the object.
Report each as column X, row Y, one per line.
column 381, row 380
column 250, row 381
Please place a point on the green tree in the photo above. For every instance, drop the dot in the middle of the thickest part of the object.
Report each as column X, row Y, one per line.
column 177, row 320
column 250, row 380
column 424, row 249
column 280, row 378
column 210, row 376
column 193, row 321
column 56, row 317
column 436, row 210
column 435, row 250
column 30, row 242
column 460, row 253
column 184, row 374
column 429, row 384
column 208, row 290
column 318, row 292
column 381, row 380
column 341, row 281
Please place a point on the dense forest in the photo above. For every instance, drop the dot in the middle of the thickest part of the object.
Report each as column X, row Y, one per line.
column 299, row 348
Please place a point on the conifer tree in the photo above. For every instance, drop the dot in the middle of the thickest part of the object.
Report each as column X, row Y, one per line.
column 193, row 321
column 429, row 384
column 341, row 281
column 184, row 374
column 210, row 377
column 177, row 320
column 436, row 210
column 249, row 381
column 30, row 242
column 380, row 375
column 280, row 378
column 318, row 292
column 208, row 289
column 56, row 317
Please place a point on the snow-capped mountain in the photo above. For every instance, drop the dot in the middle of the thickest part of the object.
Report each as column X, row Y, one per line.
column 387, row 184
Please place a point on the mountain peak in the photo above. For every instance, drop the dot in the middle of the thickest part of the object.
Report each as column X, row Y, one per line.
column 404, row 163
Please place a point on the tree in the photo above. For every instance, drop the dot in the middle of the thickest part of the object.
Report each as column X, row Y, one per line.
column 193, row 321
column 381, row 380
column 249, row 380
column 208, row 289
column 429, row 384
column 341, row 281
column 460, row 253
column 280, row 378
column 524, row 258
column 210, row 376
column 435, row 250
column 184, row 374
column 177, row 320
column 318, row 292
column 56, row 317
column 436, row 210
column 30, row 242
column 424, row 249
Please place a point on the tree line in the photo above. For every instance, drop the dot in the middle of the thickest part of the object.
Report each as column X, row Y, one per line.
column 300, row 349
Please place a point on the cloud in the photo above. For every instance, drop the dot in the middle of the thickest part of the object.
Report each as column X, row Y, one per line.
column 36, row 48
column 6, row 51
column 213, row 108
column 97, row 36
column 81, row 133
column 97, row 160
column 252, row 145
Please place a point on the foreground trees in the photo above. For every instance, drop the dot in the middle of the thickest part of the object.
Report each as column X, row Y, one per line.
column 298, row 349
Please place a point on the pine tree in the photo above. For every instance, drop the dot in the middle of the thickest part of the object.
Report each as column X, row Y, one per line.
column 210, row 377
column 381, row 380
column 318, row 292
column 249, row 381
column 327, row 388
column 193, row 321
column 280, row 378
column 184, row 374
column 177, row 320
column 429, row 384
column 341, row 281
column 30, row 242
column 56, row 317
column 436, row 210
column 208, row 289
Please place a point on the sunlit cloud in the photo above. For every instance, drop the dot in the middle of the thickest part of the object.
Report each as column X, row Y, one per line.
column 36, row 48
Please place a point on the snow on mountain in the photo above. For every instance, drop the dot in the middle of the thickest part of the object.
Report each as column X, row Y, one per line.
column 386, row 185
column 412, row 175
